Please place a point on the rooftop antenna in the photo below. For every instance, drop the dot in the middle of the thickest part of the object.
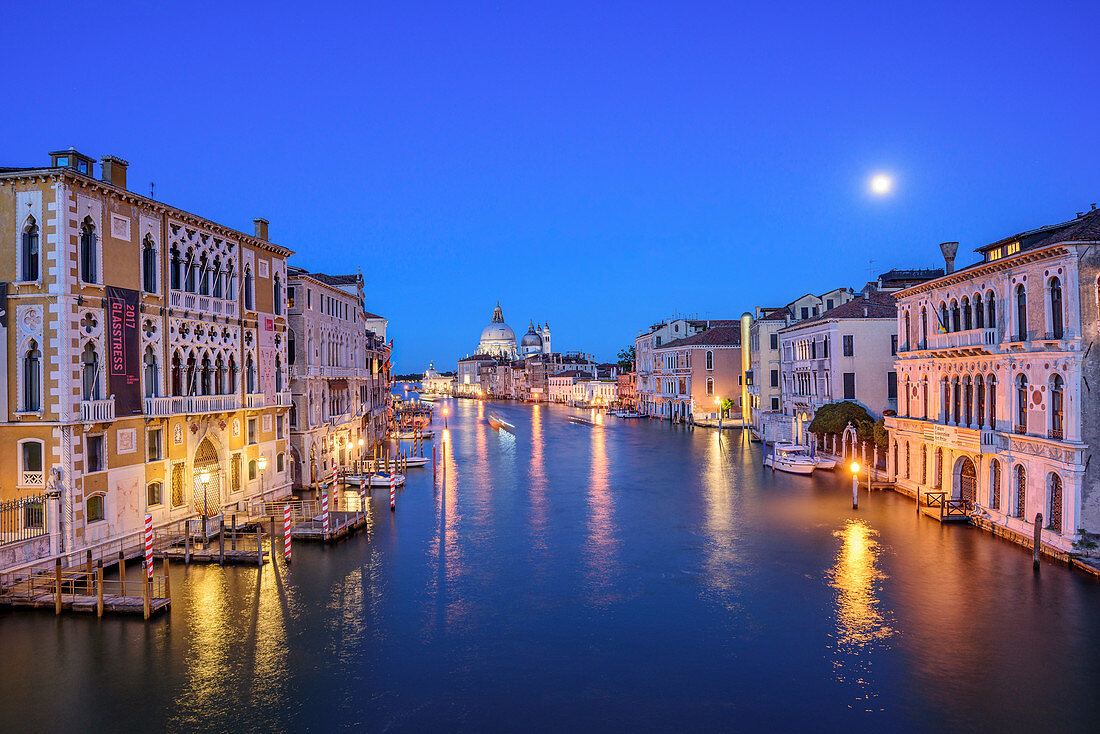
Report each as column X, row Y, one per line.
column 152, row 185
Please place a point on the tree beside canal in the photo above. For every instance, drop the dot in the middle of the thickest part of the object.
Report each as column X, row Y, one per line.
column 835, row 417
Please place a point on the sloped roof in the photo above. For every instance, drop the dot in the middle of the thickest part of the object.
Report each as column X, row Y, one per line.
column 874, row 305
column 720, row 336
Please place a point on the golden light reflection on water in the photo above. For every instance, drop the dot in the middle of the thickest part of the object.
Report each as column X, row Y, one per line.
column 220, row 626
column 724, row 567
column 537, row 484
column 861, row 624
column 601, row 544
column 446, row 610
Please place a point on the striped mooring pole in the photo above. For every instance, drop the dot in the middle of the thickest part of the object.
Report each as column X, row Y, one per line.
column 335, row 495
column 393, row 490
column 286, row 532
column 324, row 512
column 149, row 545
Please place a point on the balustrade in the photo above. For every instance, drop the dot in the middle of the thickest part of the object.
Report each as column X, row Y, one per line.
column 96, row 411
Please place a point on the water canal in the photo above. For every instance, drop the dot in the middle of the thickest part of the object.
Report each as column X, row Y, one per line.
column 635, row 576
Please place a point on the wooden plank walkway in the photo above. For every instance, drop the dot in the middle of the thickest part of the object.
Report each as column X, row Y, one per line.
column 87, row 604
column 341, row 523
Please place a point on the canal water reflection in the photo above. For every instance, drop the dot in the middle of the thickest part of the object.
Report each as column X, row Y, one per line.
column 628, row 576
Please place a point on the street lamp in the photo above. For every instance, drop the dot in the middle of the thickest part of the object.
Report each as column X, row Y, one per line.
column 718, row 408
column 263, row 465
column 855, row 485
column 445, row 411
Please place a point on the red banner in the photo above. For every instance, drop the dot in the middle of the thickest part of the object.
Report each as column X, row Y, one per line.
column 123, row 351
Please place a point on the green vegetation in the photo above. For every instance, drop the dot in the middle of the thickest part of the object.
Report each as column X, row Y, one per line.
column 835, row 417
column 626, row 359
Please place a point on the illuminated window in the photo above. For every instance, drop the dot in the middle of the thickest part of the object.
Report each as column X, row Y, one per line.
column 153, row 494
column 1013, row 248
column 95, row 511
column 995, row 254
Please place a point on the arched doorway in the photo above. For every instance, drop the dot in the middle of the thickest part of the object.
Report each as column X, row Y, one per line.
column 207, row 474
column 968, row 481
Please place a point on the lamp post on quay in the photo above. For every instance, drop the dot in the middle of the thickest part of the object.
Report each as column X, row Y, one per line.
column 855, row 485
column 445, row 419
column 263, row 465
column 718, row 408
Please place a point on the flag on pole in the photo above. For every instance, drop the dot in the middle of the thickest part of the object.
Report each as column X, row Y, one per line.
column 940, row 325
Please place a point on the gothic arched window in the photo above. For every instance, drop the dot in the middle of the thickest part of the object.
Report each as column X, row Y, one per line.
column 30, row 251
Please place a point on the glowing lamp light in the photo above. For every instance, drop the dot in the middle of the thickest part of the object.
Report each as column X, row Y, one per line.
column 204, row 476
column 360, row 442
column 855, row 467
column 263, row 463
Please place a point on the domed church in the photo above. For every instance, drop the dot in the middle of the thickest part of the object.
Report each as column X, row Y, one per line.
column 499, row 340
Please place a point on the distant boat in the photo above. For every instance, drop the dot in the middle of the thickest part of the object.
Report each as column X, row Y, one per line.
column 627, row 414
column 411, row 462
column 408, row 435
column 374, row 480
column 498, row 423
column 577, row 420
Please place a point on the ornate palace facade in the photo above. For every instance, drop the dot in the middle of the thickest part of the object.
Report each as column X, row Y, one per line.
column 146, row 351
column 995, row 371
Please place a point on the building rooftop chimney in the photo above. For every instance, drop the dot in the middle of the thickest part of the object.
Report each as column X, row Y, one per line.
column 261, row 228
column 113, row 170
column 949, row 249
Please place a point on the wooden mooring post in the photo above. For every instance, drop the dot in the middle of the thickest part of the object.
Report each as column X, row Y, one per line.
column 99, row 590
column 221, row 543
column 57, row 586
column 1038, row 542
column 233, row 531
column 259, row 546
column 88, row 577
column 122, row 571
column 145, row 595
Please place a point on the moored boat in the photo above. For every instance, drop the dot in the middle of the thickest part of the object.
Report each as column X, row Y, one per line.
column 411, row 462
column 374, row 480
column 409, row 435
column 790, row 458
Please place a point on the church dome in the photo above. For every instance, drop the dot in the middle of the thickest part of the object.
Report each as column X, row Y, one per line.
column 498, row 332
column 498, row 338
column 531, row 338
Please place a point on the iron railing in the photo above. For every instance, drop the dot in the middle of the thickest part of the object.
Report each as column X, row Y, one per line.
column 22, row 519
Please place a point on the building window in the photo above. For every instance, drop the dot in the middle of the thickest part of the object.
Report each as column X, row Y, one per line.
column 923, row 464
column 966, row 314
column 279, row 462
column 1021, row 491
column 177, row 484
column 153, row 493
column 939, row 468
column 278, row 426
column 1055, row 308
column 32, row 377
column 88, row 251
column 829, row 304
column 892, row 387
column 710, row 386
column 250, row 375
column 290, row 296
column 31, row 473
column 850, row 386
column 710, row 360
column 291, row 342
column 995, row 485
column 805, row 312
column 1021, row 313
column 252, row 469
column 1057, row 407
column 893, row 344
column 990, row 311
column 95, row 511
column 252, row 430
column 277, row 295
column 30, row 251
column 907, row 460
column 235, row 473
column 775, row 403
column 149, row 266
column 849, row 346
column 248, row 289
column 1021, row 404
column 153, row 445
column 96, row 461
column 90, row 372
column 775, row 378
column 1055, row 507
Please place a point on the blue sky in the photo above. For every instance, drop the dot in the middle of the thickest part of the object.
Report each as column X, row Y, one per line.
column 598, row 166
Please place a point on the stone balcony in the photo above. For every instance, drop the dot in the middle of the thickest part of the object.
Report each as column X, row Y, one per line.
column 162, row 407
column 97, row 411
column 202, row 304
column 970, row 340
column 254, row 400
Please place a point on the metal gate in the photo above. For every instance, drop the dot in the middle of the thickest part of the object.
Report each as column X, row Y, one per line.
column 968, row 482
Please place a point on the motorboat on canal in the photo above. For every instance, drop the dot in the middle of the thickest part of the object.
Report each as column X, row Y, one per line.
column 579, row 421
column 374, row 480
column 498, row 422
column 626, row 414
column 790, row 458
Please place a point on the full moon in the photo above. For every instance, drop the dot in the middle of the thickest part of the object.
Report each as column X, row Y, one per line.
column 881, row 184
